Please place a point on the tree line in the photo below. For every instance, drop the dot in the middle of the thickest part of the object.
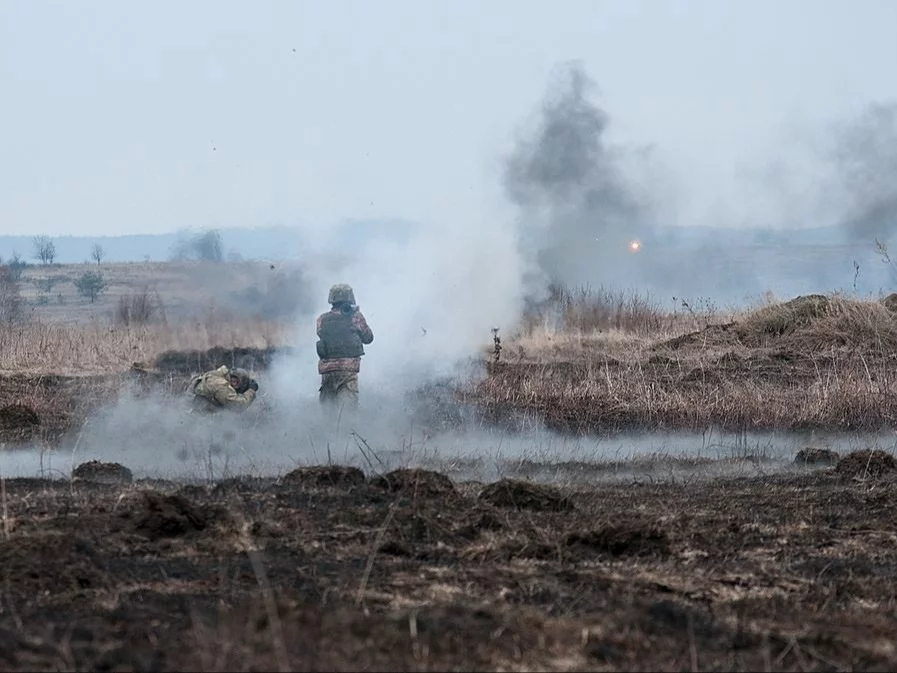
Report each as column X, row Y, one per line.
column 205, row 246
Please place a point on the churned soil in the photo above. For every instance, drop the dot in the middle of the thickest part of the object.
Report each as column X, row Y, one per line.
column 333, row 570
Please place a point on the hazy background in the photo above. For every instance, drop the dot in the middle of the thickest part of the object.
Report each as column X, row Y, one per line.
column 120, row 118
column 542, row 137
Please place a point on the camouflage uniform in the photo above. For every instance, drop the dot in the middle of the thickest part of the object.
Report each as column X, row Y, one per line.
column 342, row 334
column 213, row 391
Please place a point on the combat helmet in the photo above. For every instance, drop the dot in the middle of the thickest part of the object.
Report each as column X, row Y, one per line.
column 341, row 293
column 242, row 377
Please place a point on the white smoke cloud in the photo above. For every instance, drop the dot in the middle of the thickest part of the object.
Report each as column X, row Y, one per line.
column 430, row 300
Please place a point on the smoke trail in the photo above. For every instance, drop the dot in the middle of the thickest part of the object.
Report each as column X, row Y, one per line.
column 578, row 211
column 864, row 154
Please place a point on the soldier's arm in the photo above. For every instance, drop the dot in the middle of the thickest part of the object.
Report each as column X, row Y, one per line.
column 361, row 326
column 318, row 325
column 229, row 397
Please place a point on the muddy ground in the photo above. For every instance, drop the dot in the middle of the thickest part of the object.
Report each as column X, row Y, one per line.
column 326, row 569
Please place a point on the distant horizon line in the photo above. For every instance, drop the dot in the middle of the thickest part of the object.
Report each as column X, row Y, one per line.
column 245, row 227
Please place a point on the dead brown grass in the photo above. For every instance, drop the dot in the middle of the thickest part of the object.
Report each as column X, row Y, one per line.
column 822, row 361
column 589, row 361
column 39, row 347
column 571, row 325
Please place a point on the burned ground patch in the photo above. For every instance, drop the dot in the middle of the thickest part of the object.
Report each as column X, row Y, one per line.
column 325, row 476
column 194, row 361
column 162, row 515
column 625, row 540
column 18, row 418
column 415, row 483
column 718, row 575
column 811, row 456
column 19, row 422
column 867, row 464
column 47, row 407
column 55, row 564
column 519, row 494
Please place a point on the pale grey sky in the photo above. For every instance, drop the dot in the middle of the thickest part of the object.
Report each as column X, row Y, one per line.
column 123, row 117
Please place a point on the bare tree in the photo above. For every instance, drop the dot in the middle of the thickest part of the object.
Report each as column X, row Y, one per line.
column 139, row 308
column 10, row 300
column 207, row 246
column 44, row 249
column 46, row 284
column 97, row 253
column 16, row 266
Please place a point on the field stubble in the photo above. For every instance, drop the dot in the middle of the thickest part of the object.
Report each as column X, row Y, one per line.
column 326, row 569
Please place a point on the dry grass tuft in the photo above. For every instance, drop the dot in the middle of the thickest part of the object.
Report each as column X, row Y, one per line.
column 816, row 323
column 589, row 310
column 814, row 362
column 76, row 349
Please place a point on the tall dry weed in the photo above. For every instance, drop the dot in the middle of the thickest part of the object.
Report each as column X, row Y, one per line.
column 59, row 348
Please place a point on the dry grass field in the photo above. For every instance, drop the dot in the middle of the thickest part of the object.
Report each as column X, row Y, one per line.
column 328, row 568
column 584, row 362
column 166, row 291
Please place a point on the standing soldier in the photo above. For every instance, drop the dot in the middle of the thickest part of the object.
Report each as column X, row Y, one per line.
column 342, row 334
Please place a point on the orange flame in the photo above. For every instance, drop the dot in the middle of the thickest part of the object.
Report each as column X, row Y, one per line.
column 635, row 246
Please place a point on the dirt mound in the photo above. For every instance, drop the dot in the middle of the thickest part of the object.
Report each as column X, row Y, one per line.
column 420, row 483
column 102, row 473
column 171, row 516
column 322, row 476
column 865, row 464
column 818, row 323
column 187, row 362
column 808, row 323
column 525, row 495
column 239, row 484
column 622, row 541
column 785, row 318
column 18, row 420
column 813, row 456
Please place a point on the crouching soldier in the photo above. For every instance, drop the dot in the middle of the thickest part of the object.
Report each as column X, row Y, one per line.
column 223, row 388
column 342, row 334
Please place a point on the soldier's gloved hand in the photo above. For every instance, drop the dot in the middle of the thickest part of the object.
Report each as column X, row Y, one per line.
column 253, row 384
